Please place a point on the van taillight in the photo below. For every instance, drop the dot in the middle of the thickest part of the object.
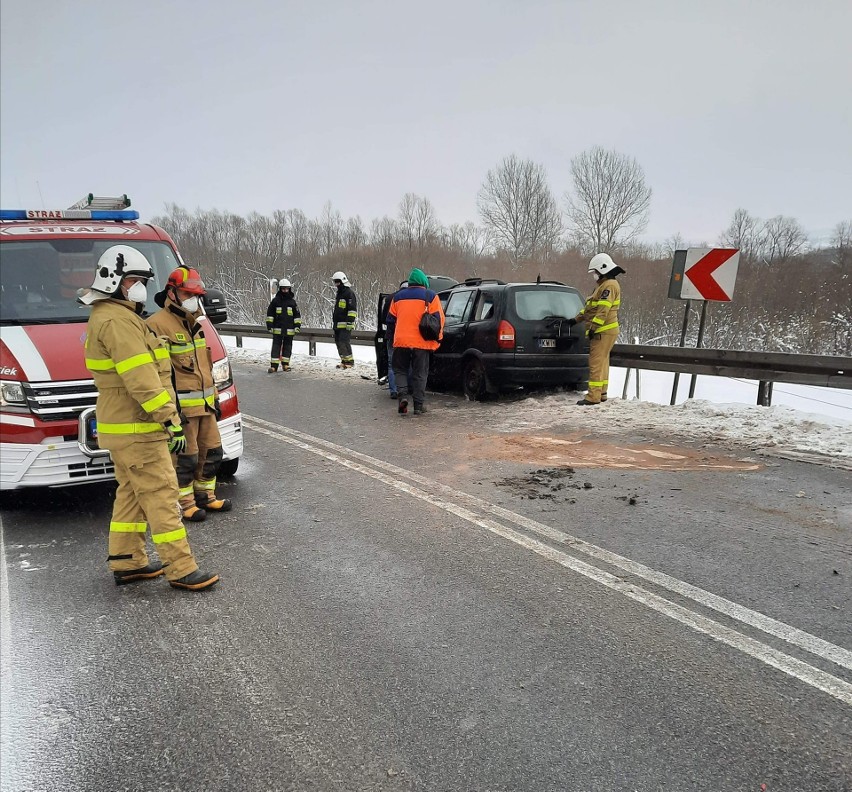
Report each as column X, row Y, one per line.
column 505, row 335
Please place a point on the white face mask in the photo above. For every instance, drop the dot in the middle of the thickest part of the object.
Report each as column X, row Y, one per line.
column 190, row 304
column 138, row 292
column 594, row 275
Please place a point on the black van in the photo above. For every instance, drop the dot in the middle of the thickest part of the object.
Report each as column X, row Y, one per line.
column 501, row 335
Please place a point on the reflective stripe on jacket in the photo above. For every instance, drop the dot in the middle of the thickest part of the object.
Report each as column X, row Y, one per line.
column 345, row 311
column 132, row 372
column 283, row 315
column 601, row 309
column 406, row 308
column 190, row 357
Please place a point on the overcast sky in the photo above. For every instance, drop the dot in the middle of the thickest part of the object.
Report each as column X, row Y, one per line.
column 255, row 106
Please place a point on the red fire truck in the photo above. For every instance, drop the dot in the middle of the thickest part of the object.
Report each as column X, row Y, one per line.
column 47, row 396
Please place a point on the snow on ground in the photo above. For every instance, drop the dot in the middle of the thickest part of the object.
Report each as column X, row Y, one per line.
column 804, row 422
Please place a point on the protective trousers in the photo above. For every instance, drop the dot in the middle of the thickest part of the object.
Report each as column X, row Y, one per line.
column 343, row 339
column 282, row 349
column 418, row 361
column 599, row 349
column 198, row 466
column 147, row 495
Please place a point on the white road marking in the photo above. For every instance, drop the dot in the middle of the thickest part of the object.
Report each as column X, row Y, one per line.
column 798, row 669
column 810, row 643
column 6, row 760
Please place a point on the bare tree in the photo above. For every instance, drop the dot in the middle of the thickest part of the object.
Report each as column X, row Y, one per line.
column 468, row 239
column 519, row 211
column 417, row 221
column 384, row 233
column 355, row 235
column 673, row 243
column 330, row 230
column 743, row 234
column 610, row 203
column 781, row 238
column 841, row 241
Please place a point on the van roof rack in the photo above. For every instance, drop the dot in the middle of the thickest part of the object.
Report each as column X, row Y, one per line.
column 477, row 281
column 92, row 201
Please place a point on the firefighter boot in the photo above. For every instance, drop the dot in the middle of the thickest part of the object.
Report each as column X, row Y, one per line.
column 189, row 510
column 212, row 503
column 152, row 570
column 205, row 496
column 195, row 581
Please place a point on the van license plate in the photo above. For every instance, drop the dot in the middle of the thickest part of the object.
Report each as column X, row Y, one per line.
column 547, row 343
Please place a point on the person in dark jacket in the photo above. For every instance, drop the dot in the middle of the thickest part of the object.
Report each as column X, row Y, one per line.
column 343, row 319
column 389, row 324
column 284, row 321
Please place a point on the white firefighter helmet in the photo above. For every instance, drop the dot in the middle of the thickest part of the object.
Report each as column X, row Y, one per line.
column 116, row 262
column 341, row 276
column 283, row 283
column 603, row 264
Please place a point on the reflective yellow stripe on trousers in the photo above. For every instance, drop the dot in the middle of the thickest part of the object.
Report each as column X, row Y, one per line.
column 123, row 527
column 129, row 428
column 169, row 536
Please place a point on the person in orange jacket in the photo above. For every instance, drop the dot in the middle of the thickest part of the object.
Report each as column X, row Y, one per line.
column 410, row 348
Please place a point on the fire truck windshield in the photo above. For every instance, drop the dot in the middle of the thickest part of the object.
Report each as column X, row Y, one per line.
column 40, row 277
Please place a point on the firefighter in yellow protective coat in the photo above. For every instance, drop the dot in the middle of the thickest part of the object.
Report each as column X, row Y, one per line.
column 601, row 317
column 138, row 423
column 198, row 401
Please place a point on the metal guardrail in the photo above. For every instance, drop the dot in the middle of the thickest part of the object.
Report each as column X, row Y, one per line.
column 766, row 367
column 825, row 370
column 310, row 334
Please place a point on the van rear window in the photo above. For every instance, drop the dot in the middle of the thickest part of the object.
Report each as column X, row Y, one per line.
column 535, row 303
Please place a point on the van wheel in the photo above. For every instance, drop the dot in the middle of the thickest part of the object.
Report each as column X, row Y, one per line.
column 474, row 380
column 228, row 468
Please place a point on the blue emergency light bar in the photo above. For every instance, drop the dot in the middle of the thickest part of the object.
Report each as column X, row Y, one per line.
column 69, row 214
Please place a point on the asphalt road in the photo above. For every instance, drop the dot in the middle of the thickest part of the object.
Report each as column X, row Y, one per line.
column 425, row 603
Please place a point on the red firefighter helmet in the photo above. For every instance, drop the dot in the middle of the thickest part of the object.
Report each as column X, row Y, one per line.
column 187, row 279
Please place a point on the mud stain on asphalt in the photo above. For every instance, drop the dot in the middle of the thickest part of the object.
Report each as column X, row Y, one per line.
column 581, row 451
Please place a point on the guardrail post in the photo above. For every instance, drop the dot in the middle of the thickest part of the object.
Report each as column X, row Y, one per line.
column 239, row 341
column 627, row 377
column 764, row 393
column 312, row 348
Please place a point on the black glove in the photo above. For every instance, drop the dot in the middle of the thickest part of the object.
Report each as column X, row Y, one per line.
column 217, row 410
column 177, row 439
column 571, row 322
column 590, row 333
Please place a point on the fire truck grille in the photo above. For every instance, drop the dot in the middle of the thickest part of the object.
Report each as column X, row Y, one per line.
column 60, row 401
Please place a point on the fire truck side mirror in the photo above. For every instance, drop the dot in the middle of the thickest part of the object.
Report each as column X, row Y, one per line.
column 215, row 306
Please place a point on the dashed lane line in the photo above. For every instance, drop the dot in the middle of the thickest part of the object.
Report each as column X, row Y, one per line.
column 821, row 680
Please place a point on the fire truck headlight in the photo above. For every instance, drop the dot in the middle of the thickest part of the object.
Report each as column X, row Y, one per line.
column 12, row 394
column 222, row 373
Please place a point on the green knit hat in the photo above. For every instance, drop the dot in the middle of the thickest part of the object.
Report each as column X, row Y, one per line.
column 418, row 277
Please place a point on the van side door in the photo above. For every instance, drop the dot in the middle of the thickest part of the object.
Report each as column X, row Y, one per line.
column 446, row 360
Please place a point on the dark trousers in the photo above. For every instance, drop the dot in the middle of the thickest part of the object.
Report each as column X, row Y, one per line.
column 344, row 346
column 418, row 359
column 282, row 347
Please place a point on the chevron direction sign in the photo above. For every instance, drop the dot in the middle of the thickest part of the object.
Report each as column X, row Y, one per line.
column 704, row 274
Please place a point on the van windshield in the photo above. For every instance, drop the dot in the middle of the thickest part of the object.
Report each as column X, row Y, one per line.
column 537, row 303
column 39, row 278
